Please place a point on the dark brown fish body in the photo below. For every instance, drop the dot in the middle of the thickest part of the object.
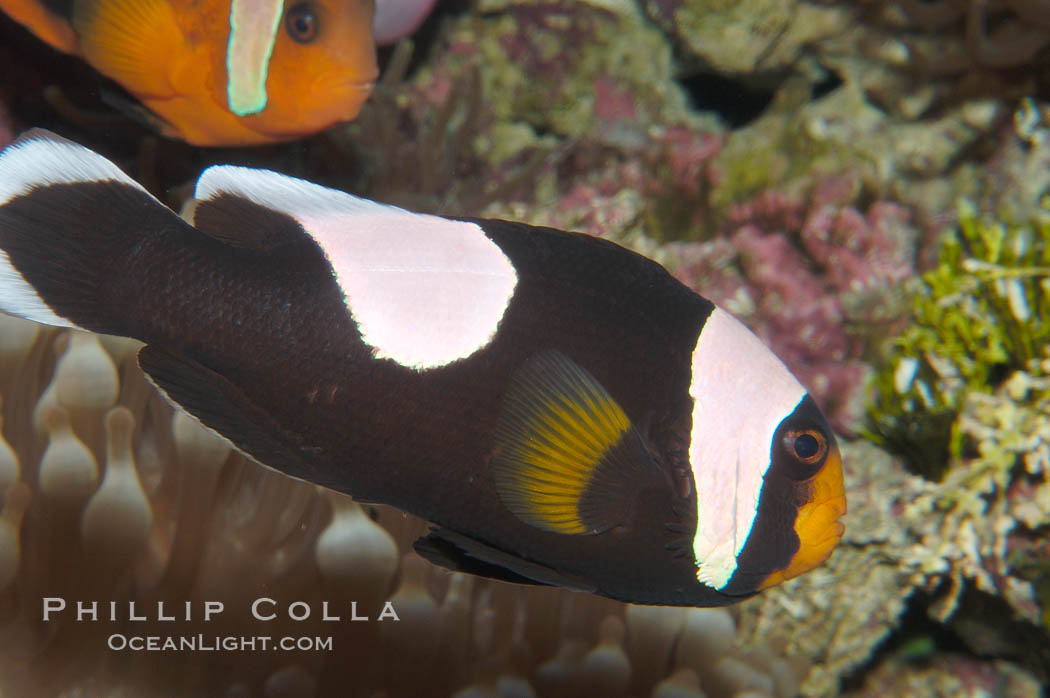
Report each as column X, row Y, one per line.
column 259, row 330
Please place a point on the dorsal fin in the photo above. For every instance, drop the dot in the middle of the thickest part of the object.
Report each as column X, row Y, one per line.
column 292, row 195
column 39, row 158
column 240, row 222
column 262, row 209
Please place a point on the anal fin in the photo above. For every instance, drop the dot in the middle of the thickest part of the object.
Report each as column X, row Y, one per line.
column 223, row 407
column 462, row 553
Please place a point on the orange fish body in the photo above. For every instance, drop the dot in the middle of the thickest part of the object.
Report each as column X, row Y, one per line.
column 223, row 72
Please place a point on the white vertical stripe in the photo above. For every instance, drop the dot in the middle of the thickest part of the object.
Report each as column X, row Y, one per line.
column 741, row 392
column 18, row 298
column 253, row 33
column 423, row 290
column 40, row 158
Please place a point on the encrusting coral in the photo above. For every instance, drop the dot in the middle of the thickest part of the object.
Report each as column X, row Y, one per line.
column 980, row 316
column 110, row 496
column 966, row 399
column 907, row 537
column 968, row 38
column 752, row 38
column 974, row 369
column 805, row 222
column 911, row 96
column 816, row 278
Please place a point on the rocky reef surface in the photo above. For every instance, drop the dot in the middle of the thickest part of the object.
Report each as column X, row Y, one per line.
column 863, row 183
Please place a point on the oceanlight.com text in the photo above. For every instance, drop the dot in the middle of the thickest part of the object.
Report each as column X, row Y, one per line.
column 218, row 643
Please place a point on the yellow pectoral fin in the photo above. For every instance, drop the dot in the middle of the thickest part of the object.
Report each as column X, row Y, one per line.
column 567, row 459
column 134, row 42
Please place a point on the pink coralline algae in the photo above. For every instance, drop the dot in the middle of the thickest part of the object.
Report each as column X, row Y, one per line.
column 804, row 273
column 685, row 167
column 816, row 275
column 665, row 181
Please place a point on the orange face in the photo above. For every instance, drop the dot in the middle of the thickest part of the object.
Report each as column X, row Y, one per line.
column 310, row 67
column 321, row 70
column 817, row 522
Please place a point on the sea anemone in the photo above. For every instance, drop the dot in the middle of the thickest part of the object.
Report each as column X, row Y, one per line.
column 116, row 506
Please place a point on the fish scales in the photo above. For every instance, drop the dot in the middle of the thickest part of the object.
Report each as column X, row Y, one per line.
column 417, row 361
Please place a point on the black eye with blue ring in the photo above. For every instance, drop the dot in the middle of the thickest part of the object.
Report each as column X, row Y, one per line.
column 302, row 23
column 808, row 446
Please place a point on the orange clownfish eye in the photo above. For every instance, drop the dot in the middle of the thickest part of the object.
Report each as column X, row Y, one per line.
column 303, row 23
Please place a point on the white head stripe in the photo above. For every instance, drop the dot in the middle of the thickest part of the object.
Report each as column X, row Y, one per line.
column 741, row 393
column 423, row 290
column 253, row 33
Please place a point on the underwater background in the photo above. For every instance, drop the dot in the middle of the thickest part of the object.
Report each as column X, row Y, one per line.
column 865, row 184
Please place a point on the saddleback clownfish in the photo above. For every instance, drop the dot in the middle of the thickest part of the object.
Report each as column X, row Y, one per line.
column 222, row 72
column 561, row 409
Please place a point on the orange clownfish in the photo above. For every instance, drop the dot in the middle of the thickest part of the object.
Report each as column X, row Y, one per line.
column 222, row 72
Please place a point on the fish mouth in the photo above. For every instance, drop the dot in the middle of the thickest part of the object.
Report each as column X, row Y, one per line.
column 817, row 523
column 342, row 84
column 346, row 96
column 345, row 99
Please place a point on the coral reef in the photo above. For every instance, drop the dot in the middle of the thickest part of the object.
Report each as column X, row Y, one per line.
column 615, row 81
column 948, row 676
column 908, row 537
column 979, row 316
column 501, row 107
column 966, row 396
column 750, row 38
column 911, row 97
column 925, row 164
column 816, row 278
column 807, row 221
column 412, row 133
column 109, row 496
column 973, row 48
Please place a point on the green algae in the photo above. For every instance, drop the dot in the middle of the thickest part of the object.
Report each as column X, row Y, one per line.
column 979, row 316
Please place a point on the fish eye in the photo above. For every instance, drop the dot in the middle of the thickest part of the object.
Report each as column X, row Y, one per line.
column 302, row 23
column 808, row 446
